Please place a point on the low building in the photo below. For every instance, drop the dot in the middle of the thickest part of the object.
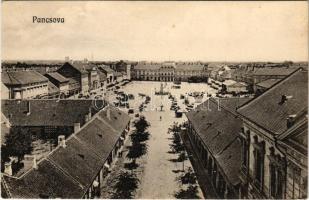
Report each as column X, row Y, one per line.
column 60, row 81
column 167, row 71
column 268, row 118
column 47, row 118
column 109, row 73
column 231, row 86
column 77, row 75
column 25, row 84
column 213, row 131
column 77, row 167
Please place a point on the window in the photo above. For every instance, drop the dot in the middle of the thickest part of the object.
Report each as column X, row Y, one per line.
column 258, row 166
column 244, row 153
column 258, row 153
column 276, row 177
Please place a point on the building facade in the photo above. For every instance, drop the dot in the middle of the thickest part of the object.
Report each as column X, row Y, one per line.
column 79, row 164
column 25, row 84
column 267, row 168
column 167, row 71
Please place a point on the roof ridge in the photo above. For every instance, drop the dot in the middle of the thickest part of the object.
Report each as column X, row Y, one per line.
column 271, row 88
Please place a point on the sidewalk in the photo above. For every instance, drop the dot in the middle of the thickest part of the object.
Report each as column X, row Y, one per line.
column 201, row 173
column 109, row 181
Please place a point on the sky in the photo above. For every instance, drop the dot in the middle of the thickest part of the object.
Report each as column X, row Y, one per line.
column 157, row 31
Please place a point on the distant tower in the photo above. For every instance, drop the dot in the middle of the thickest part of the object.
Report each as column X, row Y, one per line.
column 67, row 59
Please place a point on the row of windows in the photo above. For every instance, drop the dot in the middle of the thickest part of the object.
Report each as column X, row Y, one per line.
column 36, row 87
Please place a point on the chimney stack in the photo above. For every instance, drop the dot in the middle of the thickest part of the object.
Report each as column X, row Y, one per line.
column 76, row 127
column 30, row 160
column 61, row 141
column 35, row 165
column 290, row 121
column 283, row 98
column 28, row 108
column 88, row 116
column 8, row 168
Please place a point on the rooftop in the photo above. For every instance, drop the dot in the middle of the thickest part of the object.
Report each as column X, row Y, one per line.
column 58, row 77
column 276, row 71
column 22, row 77
column 268, row 83
column 68, row 172
column 287, row 97
column 218, row 126
column 47, row 112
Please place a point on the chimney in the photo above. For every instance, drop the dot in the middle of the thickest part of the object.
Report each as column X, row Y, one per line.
column 35, row 165
column 76, row 127
column 28, row 108
column 61, row 141
column 30, row 160
column 108, row 113
column 8, row 168
column 283, row 99
column 89, row 114
column 290, row 121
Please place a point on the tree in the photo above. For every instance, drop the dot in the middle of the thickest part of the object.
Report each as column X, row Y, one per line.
column 189, row 193
column 138, row 137
column 136, row 150
column 127, row 183
column 188, row 177
column 18, row 143
column 176, row 145
column 141, row 124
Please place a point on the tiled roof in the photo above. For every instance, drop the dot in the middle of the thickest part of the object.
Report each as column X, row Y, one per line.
column 230, row 104
column 69, row 172
column 268, row 83
column 47, row 112
column 76, row 66
column 106, row 69
column 58, row 77
column 218, row 129
column 148, row 66
column 277, row 71
column 22, row 77
column 268, row 111
column 229, row 161
column 97, row 133
column 189, row 66
column 118, row 119
column 47, row 181
column 84, row 66
column 77, row 160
